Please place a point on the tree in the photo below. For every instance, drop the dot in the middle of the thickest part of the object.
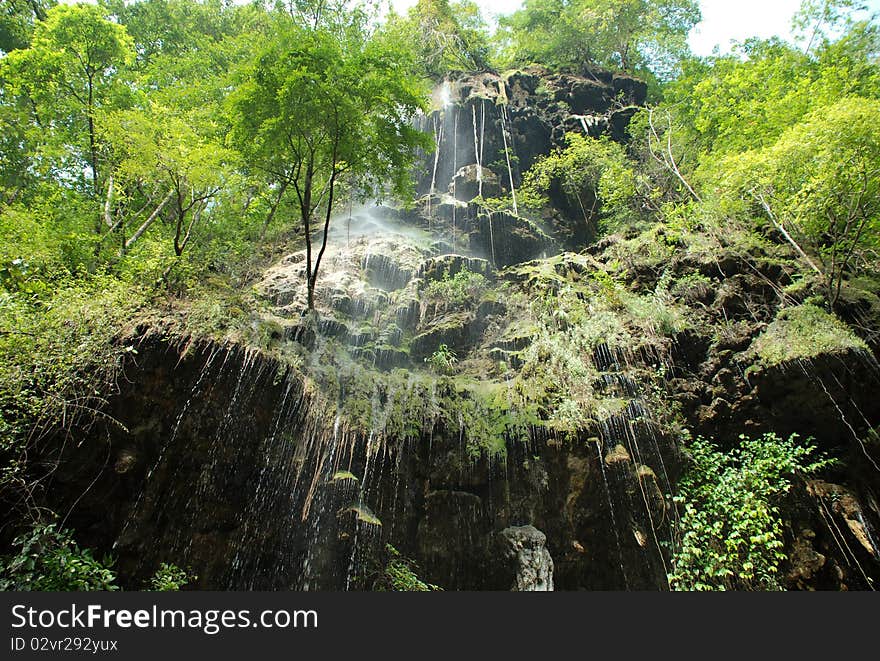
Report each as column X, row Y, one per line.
column 319, row 108
column 593, row 176
column 447, row 35
column 67, row 74
column 164, row 167
column 628, row 35
column 17, row 18
column 816, row 18
column 745, row 100
column 819, row 185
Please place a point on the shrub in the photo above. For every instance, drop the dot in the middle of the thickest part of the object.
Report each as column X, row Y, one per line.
column 587, row 169
column 463, row 287
column 169, row 578
column 732, row 529
column 48, row 559
column 399, row 575
column 443, row 359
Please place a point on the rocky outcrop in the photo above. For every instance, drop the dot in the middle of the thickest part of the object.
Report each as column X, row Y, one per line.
column 463, row 376
column 525, row 549
column 528, row 112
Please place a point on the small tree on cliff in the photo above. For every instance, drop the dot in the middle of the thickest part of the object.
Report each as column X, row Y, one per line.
column 324, row 106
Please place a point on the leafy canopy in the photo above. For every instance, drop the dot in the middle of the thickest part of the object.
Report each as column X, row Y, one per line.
column 821, row 182
column 447, row 36
column 595, row 176
column 628, row 35
column 70, row 71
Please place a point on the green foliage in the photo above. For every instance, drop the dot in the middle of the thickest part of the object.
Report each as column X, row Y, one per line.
column 17, row 18
column 68, row 73
column 399, row 575
column 447, row 36
column 318, row 109
column 48, row 559
column 59, row 354
column 801, row 333
column 443, row 360
column 745, row 100
column 629, row 35
column 594, row 175
column 169, row 578
column 731, row 532
column 821, row 181
column 455, row 291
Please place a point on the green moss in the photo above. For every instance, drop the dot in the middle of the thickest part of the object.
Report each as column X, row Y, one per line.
column 485, row 415
column 803, row 332
column 649, row 249
column 363, row 514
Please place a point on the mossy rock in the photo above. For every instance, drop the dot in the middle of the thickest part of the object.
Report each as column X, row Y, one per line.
column 385, row 271
column 330, row 327
column 448, row 266
column 803, row 333
column 511, row 358
column 518, row 334
column 509, row 239
column 460, row 331
column 389, row 357
column 617, row 455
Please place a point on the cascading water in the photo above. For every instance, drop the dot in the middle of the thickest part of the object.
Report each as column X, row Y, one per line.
column 504, row 124
column 399, row 413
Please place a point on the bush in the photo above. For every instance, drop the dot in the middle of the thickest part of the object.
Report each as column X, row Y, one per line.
column 732, row 530
column 399, row 575
column 594, row 175
column 169, row 578
column 443, row 359
column 463, row 287
column 48, row 559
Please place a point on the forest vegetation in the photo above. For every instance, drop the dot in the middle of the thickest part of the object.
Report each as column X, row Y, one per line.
column 156, row 156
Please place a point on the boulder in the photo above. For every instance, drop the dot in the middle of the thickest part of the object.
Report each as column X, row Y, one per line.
column 471, row 181
column 528, row 560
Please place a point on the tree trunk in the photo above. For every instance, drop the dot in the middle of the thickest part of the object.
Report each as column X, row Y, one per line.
column 324, row 239
column 93, row 144
column 306, row 213
column 273, row 209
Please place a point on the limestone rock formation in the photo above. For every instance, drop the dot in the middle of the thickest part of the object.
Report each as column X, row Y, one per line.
column 525, row 549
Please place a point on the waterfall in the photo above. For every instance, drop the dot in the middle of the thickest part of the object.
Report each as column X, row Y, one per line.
column 482, row 132
column 507, row 156
column 477, row 154
column 438, row 140
column 454, row 168
column 492, row 239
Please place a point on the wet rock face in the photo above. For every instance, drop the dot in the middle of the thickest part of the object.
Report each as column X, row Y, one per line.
column 831, row 538
column 472, row 181
column 254, row 474
column 219, row 465
column 525, row 549
column 529, row 111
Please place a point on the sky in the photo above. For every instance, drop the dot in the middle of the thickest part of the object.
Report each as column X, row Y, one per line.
column 724, row 21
